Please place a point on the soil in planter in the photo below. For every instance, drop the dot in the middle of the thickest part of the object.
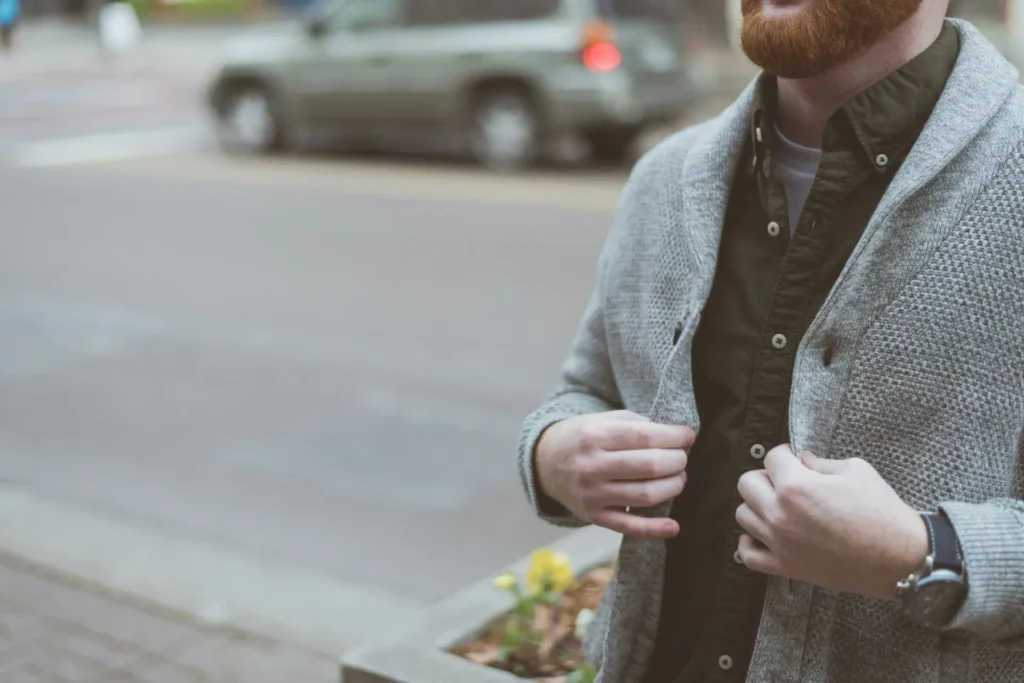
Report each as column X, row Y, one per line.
column 559, row 653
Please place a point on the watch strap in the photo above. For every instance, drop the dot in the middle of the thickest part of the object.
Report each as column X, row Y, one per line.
column 943, row 543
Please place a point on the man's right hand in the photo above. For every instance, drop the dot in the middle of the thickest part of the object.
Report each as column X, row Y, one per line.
column 599, row 465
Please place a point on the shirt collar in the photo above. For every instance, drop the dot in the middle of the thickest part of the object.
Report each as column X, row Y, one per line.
column 885, row 119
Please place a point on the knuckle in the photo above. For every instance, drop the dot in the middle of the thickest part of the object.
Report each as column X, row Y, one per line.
column 649, row 496
column 587, row 497
column 637, row 436
column 588, row 472
column 591, row 511
column 589, row 438
column 599, row 518
column 649, row 466
column 776, row 517
column 789, row 492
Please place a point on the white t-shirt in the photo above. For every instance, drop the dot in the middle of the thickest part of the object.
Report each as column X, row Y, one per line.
column 795, row 167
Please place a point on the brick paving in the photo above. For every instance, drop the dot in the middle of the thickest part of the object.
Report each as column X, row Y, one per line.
column 52, row 631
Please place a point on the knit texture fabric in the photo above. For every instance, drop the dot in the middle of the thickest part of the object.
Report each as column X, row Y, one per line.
column 926, row 381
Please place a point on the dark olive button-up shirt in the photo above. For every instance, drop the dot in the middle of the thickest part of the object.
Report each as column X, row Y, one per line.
column 767, row 289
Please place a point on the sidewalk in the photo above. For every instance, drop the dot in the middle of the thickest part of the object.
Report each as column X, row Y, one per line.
column 52, row 631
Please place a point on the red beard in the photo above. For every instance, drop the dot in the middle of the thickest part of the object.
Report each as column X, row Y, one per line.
column 820, row 38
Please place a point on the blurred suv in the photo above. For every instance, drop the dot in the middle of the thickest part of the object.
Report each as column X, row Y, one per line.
column 500, row 78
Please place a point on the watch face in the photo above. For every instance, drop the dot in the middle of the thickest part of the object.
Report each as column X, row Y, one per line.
column 938, row 598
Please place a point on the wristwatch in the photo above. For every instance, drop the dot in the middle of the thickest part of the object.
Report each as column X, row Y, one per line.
column 932, row 595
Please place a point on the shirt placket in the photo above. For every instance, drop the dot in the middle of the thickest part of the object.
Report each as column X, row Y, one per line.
column 765, row 423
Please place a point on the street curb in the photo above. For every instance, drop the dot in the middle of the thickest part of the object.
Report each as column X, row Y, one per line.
column 418, row 654
column 55, row 575
column 207, row 581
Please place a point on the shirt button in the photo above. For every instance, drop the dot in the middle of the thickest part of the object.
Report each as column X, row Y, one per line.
column 725, row 662
column 757, row 451
column 736, row 557
column 779, row 341
column 882, row 161
column 773, row 229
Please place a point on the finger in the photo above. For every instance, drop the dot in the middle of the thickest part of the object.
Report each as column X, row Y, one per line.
column 626, row 435
column 757, row 491
column 782, row 465
column 642, row 494
column 635, row 525
column 758, row 558
column 754, row 524
column 654, row 463
column 823, row 466
column 628, row 416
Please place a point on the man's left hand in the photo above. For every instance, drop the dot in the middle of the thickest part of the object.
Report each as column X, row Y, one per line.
column 832, row 523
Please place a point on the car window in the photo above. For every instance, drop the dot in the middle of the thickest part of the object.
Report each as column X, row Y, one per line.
column 442, row 12
column 657, row 10
column 361, row 16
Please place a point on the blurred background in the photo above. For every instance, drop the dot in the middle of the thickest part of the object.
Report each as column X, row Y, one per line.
column 278, row 282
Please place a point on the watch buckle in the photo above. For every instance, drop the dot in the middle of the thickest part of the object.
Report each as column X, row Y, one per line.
column 908, row 585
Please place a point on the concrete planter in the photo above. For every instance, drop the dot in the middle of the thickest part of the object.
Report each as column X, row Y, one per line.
column 418, row 652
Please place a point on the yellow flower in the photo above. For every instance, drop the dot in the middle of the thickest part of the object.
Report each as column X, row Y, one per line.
column 505, row 582
column 548, row 571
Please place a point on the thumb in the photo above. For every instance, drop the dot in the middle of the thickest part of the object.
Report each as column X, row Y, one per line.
column 822, row 466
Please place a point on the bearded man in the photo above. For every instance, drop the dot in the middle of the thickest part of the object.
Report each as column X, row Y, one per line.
column 798, row 389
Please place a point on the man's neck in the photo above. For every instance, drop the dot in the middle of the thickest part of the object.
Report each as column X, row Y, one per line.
column 806, row 105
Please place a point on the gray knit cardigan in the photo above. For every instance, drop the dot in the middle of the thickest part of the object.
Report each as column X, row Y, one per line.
column 926, row 382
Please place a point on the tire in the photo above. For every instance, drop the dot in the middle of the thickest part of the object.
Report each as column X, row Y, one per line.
column 249, row 122
column 613, row 147
column 506, row 130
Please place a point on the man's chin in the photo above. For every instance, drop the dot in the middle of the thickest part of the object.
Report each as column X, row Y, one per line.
column 799, row 39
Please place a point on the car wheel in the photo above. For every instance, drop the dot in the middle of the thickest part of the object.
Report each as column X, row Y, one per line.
column 506, row 133
column 249, row 122
column 612, row 147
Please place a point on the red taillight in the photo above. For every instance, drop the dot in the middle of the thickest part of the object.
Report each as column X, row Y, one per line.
column 602, row 57
column 599, row 51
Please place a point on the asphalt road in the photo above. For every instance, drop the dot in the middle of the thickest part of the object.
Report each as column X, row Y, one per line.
column 320, row 359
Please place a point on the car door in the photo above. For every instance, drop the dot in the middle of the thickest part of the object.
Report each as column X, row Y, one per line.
column 348, row 72
column 452, row 44
column 428, row 69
